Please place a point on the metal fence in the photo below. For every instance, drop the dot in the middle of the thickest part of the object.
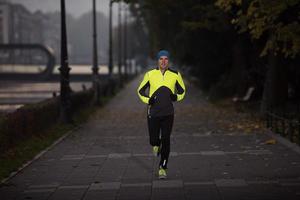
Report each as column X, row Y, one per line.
column 284, row 124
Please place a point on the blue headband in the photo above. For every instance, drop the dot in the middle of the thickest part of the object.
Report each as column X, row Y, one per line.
column 163, row 53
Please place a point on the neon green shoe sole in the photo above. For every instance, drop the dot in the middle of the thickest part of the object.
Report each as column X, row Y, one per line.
column 155, row 150
column 162, row 173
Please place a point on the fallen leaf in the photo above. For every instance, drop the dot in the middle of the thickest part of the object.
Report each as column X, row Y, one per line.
column 256, row 126
column 271, row 141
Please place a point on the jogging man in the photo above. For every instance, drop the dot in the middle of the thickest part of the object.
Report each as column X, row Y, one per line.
column 165, row 86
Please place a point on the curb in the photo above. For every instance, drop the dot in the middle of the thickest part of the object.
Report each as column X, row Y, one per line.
column 284, row 141
column 59, row 140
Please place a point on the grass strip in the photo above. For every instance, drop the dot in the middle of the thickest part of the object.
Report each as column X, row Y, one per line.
column 27, row 149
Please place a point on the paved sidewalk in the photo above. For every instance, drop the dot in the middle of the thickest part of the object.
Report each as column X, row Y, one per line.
column 110, row 158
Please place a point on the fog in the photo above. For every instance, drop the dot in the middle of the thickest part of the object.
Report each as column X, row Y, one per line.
column 74, row 7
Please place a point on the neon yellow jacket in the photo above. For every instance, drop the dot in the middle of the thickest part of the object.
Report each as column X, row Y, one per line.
column 161, row 86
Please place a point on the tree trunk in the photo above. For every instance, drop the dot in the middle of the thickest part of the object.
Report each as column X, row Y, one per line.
column 237, row 73
column 276, row 85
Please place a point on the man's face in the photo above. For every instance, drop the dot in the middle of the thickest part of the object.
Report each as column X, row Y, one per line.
column 163, row 62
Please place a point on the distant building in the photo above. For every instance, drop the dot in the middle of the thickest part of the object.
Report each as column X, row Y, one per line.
column 18, row 25
column 5, row 29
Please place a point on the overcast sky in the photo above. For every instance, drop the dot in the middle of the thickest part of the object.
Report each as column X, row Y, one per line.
column 74, row 7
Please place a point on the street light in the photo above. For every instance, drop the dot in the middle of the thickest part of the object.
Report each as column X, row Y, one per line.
column 95, row 67
column 130, row 49
column 125, row 41
column 119, row 40
column 110, row 56
column 65, row 90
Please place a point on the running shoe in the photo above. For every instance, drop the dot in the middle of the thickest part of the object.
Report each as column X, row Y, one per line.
column 162, row 173
column 155, row 150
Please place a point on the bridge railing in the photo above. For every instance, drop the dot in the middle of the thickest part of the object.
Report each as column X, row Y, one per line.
column 28, row 54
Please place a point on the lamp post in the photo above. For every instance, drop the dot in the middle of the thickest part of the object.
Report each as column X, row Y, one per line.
column 95, row 67
column 125, row 41
column 130, row 49
column 119, row 40
column 65, row 90
column 110, row 56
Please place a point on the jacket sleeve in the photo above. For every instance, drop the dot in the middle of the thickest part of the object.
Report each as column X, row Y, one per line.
column 142, row 89
column 180, row 87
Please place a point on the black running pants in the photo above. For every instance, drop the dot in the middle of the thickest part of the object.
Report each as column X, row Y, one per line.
column 161, row 125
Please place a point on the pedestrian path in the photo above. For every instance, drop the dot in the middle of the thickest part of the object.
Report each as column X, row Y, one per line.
column 110, row 158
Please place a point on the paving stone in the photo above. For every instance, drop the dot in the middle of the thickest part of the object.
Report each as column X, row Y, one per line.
column 139, row 169
column 230, row 183
column 39, row 190
column 105, row 186
column 212, row 153
column 78, row 181
column 73, row 187
column 135, row 193
column 94, row 156
column 35, row 194
column 112, row 170
column 69, row 193
column 52, row 185
column 167, row 184
column 119, row 155
column 9, row 192
column 203, row 183
column 256, row 192
column 140, row 184
column 167, row 194
column 201, row 191
column 101, row 194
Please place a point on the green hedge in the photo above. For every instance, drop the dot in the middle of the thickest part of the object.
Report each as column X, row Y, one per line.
column 31, row 119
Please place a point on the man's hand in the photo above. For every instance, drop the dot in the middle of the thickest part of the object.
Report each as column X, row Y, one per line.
column 173, row 97
column 152, row 100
